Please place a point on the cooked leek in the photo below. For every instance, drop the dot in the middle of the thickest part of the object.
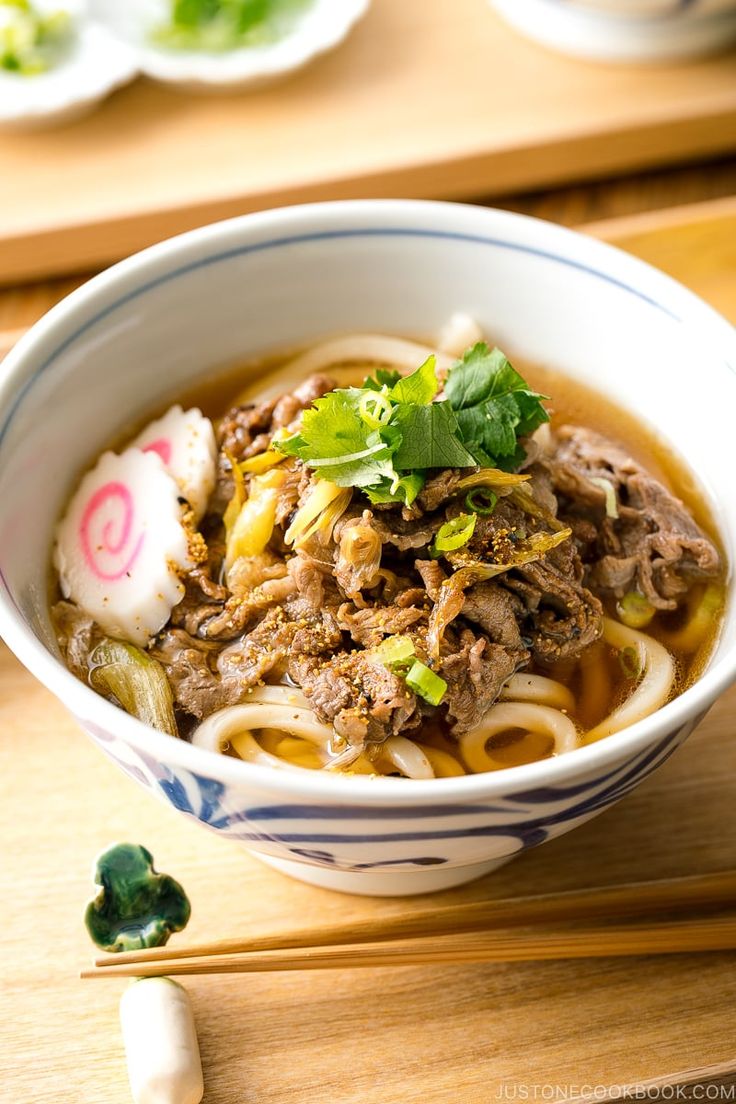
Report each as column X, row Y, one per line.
column 136, row 681
column 325, row 504
column 254, row 524
column 609, row 491
column 634, row 610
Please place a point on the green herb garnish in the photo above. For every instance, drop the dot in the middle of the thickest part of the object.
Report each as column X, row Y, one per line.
column 481, row 501
column 31, row 43
column 397, row 653
column 385, row 436
column 221, row 25
column 453, row 534
column 424, row 682
column 494, row 406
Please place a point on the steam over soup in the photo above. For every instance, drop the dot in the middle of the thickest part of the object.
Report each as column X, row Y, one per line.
column 380, row 559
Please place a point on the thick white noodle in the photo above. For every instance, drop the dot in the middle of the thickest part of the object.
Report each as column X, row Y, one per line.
column 407, row 757
column 515, row 715
column 460, row 332
column 217, row 731
column 279, row 695
column 354, row 349
column 654, row 687
column 537, row 688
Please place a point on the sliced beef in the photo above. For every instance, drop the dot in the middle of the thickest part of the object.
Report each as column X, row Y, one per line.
column 439, row 488
column 355, row 693
column 400, row 533
column 654, row 545
column 246, row 430
column 475, row 675
column 265, row 650
column 560, row 617
column 290, row 406
column 78, row 636
column 240, row 612
column 369, row 626
column 495, row 611
column 191, row 671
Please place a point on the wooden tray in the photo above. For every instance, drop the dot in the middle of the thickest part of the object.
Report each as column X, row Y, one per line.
column 473, row 1034
column 427, row 98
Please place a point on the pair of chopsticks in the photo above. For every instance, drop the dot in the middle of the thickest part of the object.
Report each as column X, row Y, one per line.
column 506, row 930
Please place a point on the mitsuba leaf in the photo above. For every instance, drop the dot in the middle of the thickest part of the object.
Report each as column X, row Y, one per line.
column 494, row 406
column 429, row 438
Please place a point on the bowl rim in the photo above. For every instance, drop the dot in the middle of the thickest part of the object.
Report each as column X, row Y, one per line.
column 463, row 220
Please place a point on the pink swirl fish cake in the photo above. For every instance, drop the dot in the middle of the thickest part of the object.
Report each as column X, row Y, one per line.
column 185, row 441
column 121, row 547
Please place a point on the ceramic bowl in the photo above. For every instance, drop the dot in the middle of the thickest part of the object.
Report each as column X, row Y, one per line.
column 145, row 330
column 96, row 64
column 322, row 27
column 625, row 30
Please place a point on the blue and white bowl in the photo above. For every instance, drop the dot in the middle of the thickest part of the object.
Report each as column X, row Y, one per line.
column 152, row 325
column 625, row 30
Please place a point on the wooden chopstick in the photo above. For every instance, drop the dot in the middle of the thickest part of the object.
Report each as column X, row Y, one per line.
column 671, row 937
column 606, row 902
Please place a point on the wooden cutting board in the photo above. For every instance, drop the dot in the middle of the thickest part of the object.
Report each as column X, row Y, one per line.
column 471, row 1034
column 427, row 98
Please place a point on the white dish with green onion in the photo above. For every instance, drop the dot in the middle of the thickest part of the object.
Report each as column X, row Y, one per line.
column 55, row 62
column 225, row 44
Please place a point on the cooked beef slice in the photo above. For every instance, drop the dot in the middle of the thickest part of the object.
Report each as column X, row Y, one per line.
column 654, row 546
column 78, row 636
column 491, row 607
column 353, row 691
column 475, row 675
column 190, row 669
column 560, row 618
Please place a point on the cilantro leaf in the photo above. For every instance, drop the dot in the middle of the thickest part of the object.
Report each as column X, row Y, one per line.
column 429, row 438
column 335, row 441
column 384, row 377
column 419, row 388
column 404, row 489
column 494, row 406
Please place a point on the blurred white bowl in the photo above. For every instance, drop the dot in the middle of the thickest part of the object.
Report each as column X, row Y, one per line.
column 322, row 27
column 625, row 30
column 94, row 66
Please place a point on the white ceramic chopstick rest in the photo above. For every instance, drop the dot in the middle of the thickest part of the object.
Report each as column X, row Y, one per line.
column 160, row 1041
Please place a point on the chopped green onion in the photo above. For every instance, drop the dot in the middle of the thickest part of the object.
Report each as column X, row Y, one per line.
column 453, row 534
column 375, row 409
column 137, row 681
column 631, row 662
column 610, row 492
column 481, row 501
column 634, row 610
column 429, row 686
column 395, row 651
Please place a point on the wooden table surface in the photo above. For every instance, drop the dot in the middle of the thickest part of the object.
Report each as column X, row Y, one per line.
column 473, row 1034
